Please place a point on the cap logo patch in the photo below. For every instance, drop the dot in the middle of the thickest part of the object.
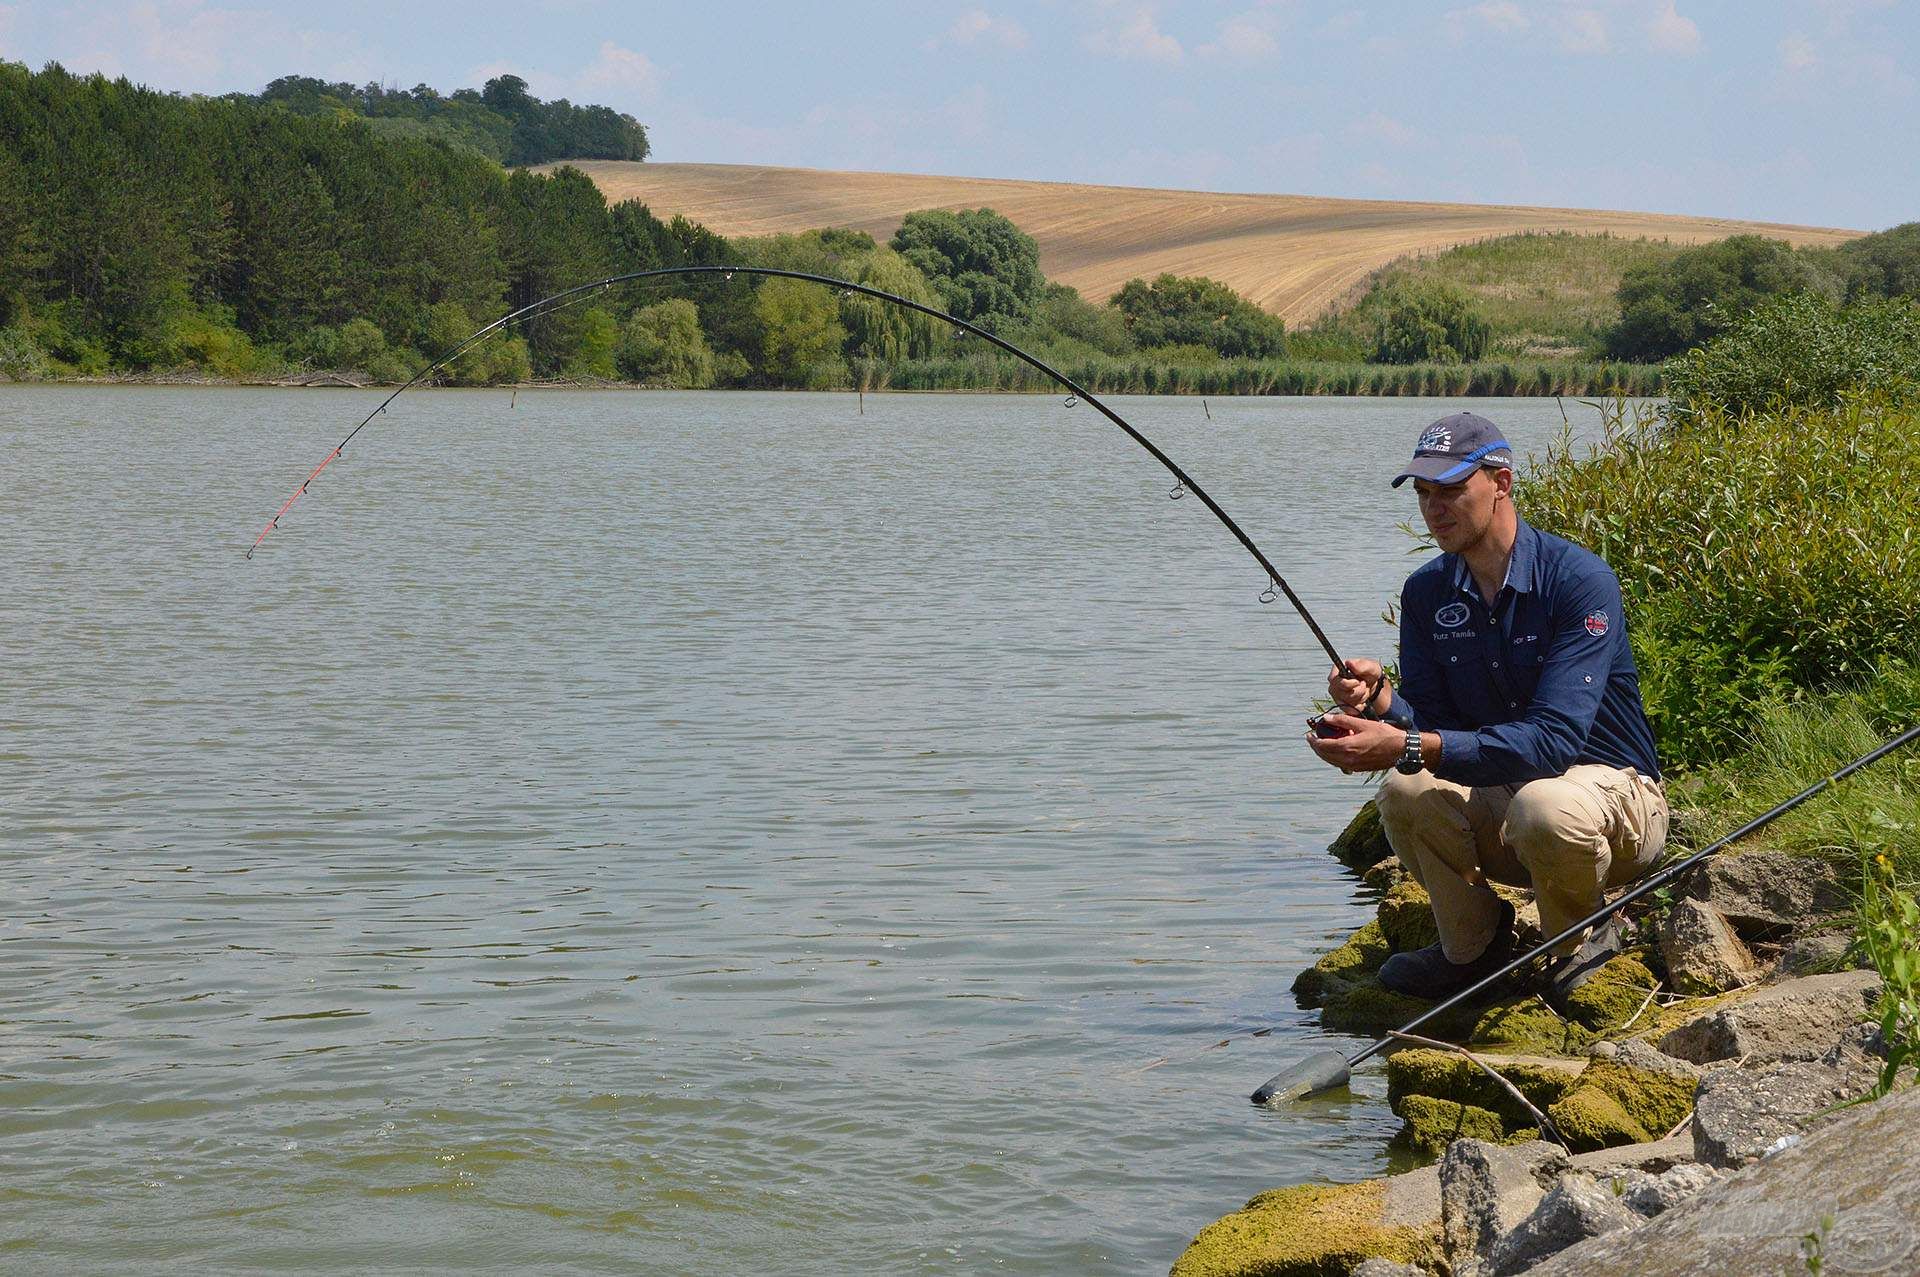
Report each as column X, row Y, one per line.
column 1436, row 439
column 1597, row 624
column 1454, row 615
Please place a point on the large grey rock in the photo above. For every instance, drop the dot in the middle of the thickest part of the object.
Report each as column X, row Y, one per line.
column 1742, row 1114
column 1793, row 1018
column 1485, row 1191
column 1814, row 955
column 1648, row 1195
column 1863, row 1169
column 1702, row 953
column 1762, row 892
column 1576, row 1208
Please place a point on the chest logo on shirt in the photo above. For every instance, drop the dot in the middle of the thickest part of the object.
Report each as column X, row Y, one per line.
column 1454, row 615
column 1597, row 624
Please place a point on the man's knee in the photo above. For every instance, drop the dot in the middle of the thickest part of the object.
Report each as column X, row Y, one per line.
column 1554, row 821
column 1406, row 802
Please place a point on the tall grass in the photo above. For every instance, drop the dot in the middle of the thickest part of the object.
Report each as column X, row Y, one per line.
column 1120, row 376
column 1791, row 744
column 1761, row 556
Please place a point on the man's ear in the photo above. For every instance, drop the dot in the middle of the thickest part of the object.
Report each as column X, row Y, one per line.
column 1502, row 482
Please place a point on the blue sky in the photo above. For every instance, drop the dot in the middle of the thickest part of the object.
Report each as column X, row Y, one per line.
column 1802, row 112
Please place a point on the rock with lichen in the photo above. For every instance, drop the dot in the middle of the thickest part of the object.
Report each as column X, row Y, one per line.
column 1634, row 1095
column 1352, row 962
column 1406, row 917
column 1428, row 1125
column 1363, row 842
column 1449, row 1075
column 1314, row 1229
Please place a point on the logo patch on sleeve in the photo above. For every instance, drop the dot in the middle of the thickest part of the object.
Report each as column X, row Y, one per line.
column 1597, row 624
column 1454, row 615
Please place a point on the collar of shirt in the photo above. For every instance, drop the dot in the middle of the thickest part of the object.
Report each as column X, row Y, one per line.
column 1520, row 565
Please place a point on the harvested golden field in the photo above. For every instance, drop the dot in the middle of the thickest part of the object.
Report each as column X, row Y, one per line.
column 1293, row 254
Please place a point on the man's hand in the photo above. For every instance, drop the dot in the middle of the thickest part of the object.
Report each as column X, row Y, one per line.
column 1363, row 744
column 1349, row 689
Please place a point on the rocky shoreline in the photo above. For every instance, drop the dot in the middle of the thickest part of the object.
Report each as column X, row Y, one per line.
column 1666, row 1124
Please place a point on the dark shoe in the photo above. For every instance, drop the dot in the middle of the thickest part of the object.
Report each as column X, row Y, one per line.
column 1426, row 973
column 1563, row 975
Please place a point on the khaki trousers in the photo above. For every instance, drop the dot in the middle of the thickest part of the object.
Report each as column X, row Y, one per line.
column 1569, row 837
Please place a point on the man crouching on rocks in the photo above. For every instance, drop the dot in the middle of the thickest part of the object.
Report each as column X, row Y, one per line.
column 1519, row 749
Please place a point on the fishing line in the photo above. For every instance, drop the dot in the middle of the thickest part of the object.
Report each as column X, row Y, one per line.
column 1276, row 588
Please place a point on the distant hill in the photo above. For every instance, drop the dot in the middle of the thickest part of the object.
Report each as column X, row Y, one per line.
column 1295, row 255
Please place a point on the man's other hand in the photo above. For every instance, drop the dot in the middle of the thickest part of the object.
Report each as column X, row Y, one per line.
column 1363, row 745
column 1349, row 689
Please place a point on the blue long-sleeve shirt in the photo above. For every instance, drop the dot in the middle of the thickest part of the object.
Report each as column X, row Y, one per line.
column 1541, row 681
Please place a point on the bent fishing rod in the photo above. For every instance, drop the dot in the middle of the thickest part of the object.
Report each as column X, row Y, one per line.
column 1325, row 1070
column 547, row 305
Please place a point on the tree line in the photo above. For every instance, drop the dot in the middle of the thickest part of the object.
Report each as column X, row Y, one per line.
column 246, row 235
column 501, row 120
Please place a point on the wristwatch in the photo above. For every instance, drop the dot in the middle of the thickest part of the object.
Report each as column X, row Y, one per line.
column 1410, row 763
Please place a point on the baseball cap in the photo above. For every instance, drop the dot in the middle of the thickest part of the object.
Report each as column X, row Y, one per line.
column 1451, row 447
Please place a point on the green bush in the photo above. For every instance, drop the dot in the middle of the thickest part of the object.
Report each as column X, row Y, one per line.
column 1801, row 349
column 21, row 358
column 1760, row 555
column 663, row 345
column 1669, row 307
column 358, row 343
column 209, row 341
column 1426, row 321
column 1176, row 310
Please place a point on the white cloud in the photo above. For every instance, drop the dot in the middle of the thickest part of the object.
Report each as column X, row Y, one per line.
column 1501, row 15
column 1132, row 32
column 1669, row 32
column 1244, row 37
column 1797, row 54
column 977, row 27
column 1585, row 31
column 618, row 73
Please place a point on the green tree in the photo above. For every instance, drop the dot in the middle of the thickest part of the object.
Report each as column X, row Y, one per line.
column 592, row 356
column 1426, row 321
column 801, row 328
column 1193, row 310
column 1666, row 308
column 1883, row 265
column 983, row 267
column 883, row 330
column 662, row 344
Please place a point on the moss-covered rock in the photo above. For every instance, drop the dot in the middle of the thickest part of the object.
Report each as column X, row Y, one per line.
column 1589, row 1118
column 1520, row 1025
column 1431, row 1124
column 1353, row 961
column 1613, row 994
column 1313, row 1230
column 1657, row 1097
column 1448, row 1075
column 1362, row 843
column 1406, row 917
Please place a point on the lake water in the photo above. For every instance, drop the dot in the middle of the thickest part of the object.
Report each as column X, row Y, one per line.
column 646, row 832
